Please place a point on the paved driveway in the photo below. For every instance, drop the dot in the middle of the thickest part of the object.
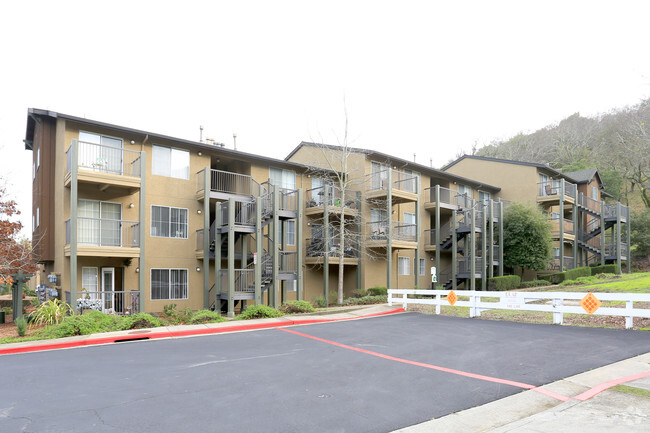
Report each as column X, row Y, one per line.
column 372, row 375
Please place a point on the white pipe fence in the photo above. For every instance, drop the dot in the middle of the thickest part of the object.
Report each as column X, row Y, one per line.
column 557, row 303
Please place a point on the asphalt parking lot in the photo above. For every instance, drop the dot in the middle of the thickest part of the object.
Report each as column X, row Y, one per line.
column 372, row 375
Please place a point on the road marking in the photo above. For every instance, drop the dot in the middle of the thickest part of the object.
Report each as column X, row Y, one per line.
column 435, row 367
column 242, row 359
column 606, row 385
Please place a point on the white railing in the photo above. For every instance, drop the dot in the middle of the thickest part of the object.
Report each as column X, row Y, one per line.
column 105, row 159
column 523, row 301
column 117, row 302
column 104, row 232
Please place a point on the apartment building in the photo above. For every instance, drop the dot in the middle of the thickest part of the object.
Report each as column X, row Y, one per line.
column 120, row 218
column 586, row 229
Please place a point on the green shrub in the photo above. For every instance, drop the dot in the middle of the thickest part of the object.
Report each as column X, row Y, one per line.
column 259, row 312
column 507, row 282
column 21, row 326
column 378, row 299
column 319, row 302
column 534, row 283
column 378, row 291
column 574, row 274
column 359, row 293
column 206, row 316
column 88, row 323
column 603, row 269
column 556, row 278
column 293, row 307
column 569, row 283
column 51, row 312
column 169, row 310
column 140, row 321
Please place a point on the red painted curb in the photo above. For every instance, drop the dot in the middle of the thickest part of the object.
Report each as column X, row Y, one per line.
column 181, row 333
column 606, row 385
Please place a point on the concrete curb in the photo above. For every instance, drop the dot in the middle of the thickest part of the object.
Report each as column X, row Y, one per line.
column 191, row 330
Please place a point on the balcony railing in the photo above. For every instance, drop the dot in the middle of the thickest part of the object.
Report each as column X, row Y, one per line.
column 553, row 187
column 554, row 265
column 230, row 183
column 288, row 200
column 244, row 280
column 103, row 232
column 104, row 159
column 610, row 249
column 118, row 302
column 592, row 241
column 589, row 203
column 464, row 265
column 288, row 261
column 465, row 219
column 567, row 226
column 610, row 211
column 400, row 231
column 316, row 247
column 401, row 180
column 449, row 197
column 244, row 213
column 430, row 237
column 315, row 197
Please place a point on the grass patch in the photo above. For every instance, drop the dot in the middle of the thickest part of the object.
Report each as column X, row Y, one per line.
column 632, row 390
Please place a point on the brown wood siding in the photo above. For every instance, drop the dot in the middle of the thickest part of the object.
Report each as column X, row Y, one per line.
column 43, row 189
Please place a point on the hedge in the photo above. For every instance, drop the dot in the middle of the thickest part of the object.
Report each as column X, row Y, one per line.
column 571, row 274
column 604, row 269
column 507, row 282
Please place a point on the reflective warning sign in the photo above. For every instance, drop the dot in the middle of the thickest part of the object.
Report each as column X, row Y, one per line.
column 590, row 303
column 452, row 298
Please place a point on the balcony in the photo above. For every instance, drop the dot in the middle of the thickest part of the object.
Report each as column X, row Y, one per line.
column 610, row 212
column 554, row 265
column 550, row 192
column 109, row 302
column 225, row 184
column 610, row 251
column 102, row 237
column 448, row 200
column 315, row 251
column 589, row 204
column 403, row 235
column 105, row 166
column 465, row 267
column 337, row 202
column 564, row 225
column 430, row 240
column 403, row 187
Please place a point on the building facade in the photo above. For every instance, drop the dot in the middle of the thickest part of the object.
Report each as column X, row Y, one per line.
column 126, row 220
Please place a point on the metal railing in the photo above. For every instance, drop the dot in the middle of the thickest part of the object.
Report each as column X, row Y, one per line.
column 464, row 265
column 554, row 264
column 102, row 232
column 567, row 226
column 104, row 159
column 288, row 261
column 316, row 247
column 496, row 249
column 244, row 280
column 430, row 237
column 118, row 302
column 550, row 302
column 586, row 238
column 465, row 219
column 610, row 249
column 315, row 197
column 589, row 203
column 401, row 181
column 230, row 183
column 553, row 187
column 244, row 213
column 199, row 239
column 404, row 232
column 288, row 199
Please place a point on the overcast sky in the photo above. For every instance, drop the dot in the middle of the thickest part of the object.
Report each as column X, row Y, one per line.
column 422, row 77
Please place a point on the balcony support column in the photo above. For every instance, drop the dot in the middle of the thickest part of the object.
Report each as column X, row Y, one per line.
column 358, row 240
column 561, row 225
column 141, row 226
column 231, row 257
column 259, row 250
column 275, row 284
column 416, row 264
column 472, row 249
column 454, row 251
column 326, row 245
column 491, row 240
column 74, row 197
column 618, row 238
column 389, row 229
column 602, row 233
column 217, row 255
column 628, row 257
column 299, row 245
column 501, row 239
column 437, row 224
column 206, row 238
column 484, row 256
column 574, row 214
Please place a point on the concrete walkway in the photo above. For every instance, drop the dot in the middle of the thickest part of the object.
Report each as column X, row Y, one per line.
column 621, row 408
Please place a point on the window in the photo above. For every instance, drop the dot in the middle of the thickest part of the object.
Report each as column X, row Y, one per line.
column 99, row 223
column 100, row 153
column 168, row 222
column 409, row 218
column 404, row 265
column 291, row 233
column 594, row 192
column 38, row 158
column 282, row 178
column 422, row 264
column 543, row 182
column 33, row 171
column 464, row 195
column 38, row 217
column 483, row 196
column 168, row 284
column 171, row 162
column 555, row 216
column 378, row 175
column 410, row 185
column 89, row 280
column 556, row 252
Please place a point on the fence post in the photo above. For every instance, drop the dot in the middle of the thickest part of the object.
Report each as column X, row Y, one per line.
column 404, row 301
column 472, row 306
column 558, row 316
column 629, row 320
column 390, row 298
column 438, row 303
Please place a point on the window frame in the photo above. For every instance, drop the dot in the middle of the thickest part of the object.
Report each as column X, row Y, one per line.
column 423, row 264
column 187, row 222
column 169, row 287
column 400, row 260
column 169, row 173
column 282, row 174
column 288, row 232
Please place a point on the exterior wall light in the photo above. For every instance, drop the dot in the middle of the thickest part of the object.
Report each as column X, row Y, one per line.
column 198, row 269
column 137, row 270
column 198, row 211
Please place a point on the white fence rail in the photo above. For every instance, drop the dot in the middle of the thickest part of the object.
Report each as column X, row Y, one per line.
column 557, row 303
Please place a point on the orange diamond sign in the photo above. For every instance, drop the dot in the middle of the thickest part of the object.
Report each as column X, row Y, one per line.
column 452, row 298
column 590, row 303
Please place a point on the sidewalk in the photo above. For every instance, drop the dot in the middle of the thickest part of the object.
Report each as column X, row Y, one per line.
column 621, row 408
